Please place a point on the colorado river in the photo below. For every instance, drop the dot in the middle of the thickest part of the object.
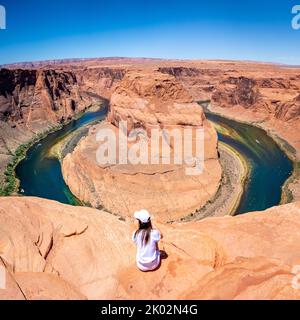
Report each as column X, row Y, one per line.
column 269, row 165
column 41, row 175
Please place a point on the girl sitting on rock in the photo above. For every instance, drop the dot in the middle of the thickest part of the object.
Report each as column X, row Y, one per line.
column 146, row 239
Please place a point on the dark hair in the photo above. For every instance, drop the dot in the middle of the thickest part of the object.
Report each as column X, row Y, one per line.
column 145, row 230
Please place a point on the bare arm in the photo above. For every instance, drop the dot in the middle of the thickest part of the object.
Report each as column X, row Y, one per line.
column 161, row 235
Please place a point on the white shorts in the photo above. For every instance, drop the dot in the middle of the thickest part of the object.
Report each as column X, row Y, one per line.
column 149, row 266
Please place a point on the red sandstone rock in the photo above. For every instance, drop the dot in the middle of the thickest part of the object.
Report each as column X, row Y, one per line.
column 247, row 279
column 38, row 96
column 289, row 110
column 151, row 98
column 83, row 252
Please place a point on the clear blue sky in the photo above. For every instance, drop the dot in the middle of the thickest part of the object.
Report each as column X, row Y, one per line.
column 205, row 29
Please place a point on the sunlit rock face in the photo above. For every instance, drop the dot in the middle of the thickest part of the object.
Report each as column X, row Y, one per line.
column 36, row 99
column 152, row 98
column 147, row 101
column 290, row 110
column 33, row 97
column 240, row 91
column 84, row 253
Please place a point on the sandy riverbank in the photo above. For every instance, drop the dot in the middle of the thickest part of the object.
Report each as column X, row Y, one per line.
column 68, row 143
column 235, row 172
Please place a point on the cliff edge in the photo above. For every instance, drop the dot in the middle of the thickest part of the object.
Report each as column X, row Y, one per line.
column 56, row 251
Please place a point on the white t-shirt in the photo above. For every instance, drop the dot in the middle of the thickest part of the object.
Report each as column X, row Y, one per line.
column 147, row 256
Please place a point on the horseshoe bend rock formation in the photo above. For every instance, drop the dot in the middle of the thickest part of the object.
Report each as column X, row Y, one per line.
column 55, row 251
column 146, row 100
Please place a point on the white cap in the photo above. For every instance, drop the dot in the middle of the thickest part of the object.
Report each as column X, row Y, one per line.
column 142, row 215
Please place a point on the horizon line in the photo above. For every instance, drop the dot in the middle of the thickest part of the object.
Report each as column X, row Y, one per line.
column 146, row 58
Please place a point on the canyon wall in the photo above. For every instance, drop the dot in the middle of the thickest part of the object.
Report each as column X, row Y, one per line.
column 83, row 253
column 34, row 97
column 34, row 100
column 99, row 81
column 200, row 82
column 265, row 98
column 271, row 101
column 37, row 97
